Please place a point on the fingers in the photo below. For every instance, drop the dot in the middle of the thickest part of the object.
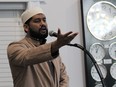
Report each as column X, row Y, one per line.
column 73, row 34
column 59, row 31
column 67, row 36
column 68, row 33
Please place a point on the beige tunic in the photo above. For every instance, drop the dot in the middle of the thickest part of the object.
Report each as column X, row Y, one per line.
column 29, row 68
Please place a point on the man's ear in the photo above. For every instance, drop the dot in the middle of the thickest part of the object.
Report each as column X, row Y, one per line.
column 26, row 28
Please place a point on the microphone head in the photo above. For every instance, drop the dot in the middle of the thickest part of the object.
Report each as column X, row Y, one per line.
column 52, row 33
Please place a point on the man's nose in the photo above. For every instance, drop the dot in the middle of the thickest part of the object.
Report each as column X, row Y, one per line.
column 43, row 22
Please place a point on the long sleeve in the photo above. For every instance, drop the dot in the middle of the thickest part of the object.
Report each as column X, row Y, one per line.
column 20, row 54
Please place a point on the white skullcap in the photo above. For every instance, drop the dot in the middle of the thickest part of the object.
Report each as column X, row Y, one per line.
column 27, row 14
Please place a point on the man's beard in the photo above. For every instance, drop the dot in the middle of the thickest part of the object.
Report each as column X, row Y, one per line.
column 41, row 34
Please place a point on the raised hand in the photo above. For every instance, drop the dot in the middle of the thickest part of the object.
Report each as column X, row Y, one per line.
column 63, row 39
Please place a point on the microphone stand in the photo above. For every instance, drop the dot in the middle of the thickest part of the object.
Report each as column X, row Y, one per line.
column 93, row 60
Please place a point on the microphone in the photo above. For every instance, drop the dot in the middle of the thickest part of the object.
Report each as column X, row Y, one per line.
column 53, row 34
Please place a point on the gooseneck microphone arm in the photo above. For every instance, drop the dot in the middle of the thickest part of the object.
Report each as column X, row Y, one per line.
column 93, row 60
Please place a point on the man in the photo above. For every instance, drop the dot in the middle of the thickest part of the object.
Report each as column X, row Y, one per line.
column 33, row 62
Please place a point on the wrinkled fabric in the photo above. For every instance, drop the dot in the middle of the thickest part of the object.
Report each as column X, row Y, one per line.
column 29, row 67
